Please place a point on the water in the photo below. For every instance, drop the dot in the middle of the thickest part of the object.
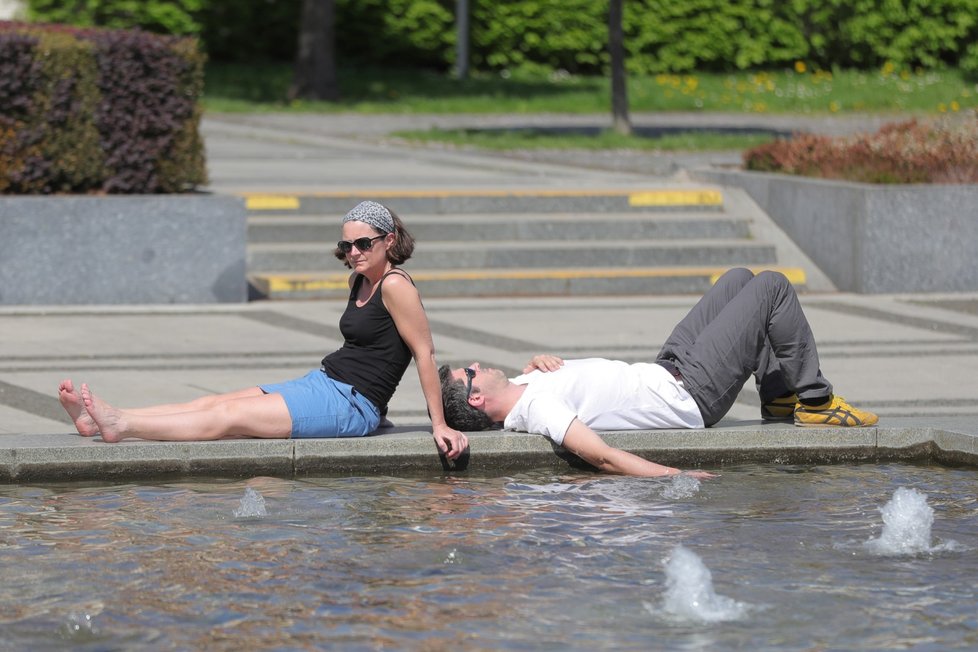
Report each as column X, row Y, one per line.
column 776, row 556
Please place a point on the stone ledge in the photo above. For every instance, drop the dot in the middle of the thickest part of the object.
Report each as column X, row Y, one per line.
column 410, row 451
column 122, row 249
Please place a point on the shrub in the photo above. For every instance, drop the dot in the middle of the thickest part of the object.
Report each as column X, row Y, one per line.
column 903, row 152
column 98, row 111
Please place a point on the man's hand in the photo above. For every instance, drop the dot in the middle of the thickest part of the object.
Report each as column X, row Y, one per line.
column 699, row 475
column 451, row 442
column 543, row 362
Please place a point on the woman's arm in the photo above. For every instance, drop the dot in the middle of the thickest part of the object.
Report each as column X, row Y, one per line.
column 404, row 304
column 585, row 443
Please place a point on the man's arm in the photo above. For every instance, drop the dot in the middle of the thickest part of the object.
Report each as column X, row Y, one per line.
column 586, row 444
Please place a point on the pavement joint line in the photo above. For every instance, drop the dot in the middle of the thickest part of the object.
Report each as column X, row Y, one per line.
column 923, row 323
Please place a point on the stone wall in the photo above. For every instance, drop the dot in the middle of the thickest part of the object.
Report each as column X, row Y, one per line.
column 873, row 238
column 122, row 249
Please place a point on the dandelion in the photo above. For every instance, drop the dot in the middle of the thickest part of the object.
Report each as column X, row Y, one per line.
column 887, row 69
column 800, row 67
column 942, row 107
column 955, row 106
column 834, row 106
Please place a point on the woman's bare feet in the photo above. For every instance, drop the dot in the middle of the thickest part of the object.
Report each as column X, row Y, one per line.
column 108, row 419
column 75, row 407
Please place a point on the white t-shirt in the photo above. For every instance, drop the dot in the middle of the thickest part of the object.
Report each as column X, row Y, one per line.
column 604, row 395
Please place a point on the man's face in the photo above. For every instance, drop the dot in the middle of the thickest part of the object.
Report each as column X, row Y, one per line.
column 485, row 380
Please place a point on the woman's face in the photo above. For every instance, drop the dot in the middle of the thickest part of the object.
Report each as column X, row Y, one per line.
column 372, row 256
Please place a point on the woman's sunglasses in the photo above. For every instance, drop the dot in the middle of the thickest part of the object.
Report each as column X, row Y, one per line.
column 362, row 244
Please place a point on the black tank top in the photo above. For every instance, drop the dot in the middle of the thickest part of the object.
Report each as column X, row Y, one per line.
column 373, row 357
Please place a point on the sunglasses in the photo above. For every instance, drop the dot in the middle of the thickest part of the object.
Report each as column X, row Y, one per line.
column 469, row 375
column 363, row 244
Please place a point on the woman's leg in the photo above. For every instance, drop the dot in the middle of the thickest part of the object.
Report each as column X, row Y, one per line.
column 73, row 404
column 261, row 415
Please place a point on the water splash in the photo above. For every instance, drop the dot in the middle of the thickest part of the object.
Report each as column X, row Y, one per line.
column 78, row 627
column 907, row 522
column 681, row 486
column 252, row 505
column 690, row 594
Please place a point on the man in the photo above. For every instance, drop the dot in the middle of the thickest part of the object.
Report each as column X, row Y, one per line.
column 744, row 325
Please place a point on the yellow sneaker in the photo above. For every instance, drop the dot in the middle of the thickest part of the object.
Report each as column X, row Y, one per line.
column 779, row 409
column 834, row 413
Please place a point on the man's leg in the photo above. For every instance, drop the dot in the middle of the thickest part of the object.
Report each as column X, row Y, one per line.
column 684, row 335
column 761, row 329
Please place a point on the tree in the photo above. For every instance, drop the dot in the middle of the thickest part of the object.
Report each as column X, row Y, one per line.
column 315, row 61
column 619, row 92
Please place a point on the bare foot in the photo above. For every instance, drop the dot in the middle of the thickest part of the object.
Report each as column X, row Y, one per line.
column 75, row 407
column 108, row 419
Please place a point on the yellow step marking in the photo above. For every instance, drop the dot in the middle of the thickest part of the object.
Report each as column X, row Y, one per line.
column 313, row 282
column 676, row 198
column 271, row 202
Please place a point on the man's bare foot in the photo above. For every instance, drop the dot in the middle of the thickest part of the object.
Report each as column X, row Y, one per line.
column 108, row 419
column 75, row 407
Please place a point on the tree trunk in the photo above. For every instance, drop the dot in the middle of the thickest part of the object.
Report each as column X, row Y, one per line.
column 619, row 92
column 315, row 61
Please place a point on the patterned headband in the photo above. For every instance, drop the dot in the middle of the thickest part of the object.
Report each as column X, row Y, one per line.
column 372, row 213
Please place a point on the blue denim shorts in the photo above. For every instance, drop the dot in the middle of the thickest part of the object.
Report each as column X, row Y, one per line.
column 323, row 407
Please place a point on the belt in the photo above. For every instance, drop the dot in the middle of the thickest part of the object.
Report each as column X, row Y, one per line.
column 669, row 366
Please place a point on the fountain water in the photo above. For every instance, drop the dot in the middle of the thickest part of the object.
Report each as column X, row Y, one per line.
column 502, row 563
column 907, row 523
column 690, row 594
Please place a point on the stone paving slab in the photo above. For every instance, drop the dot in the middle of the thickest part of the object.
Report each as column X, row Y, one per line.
column 911, row 358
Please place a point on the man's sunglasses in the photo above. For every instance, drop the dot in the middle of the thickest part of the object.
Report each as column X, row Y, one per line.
column 363, row 244
column 469, row 375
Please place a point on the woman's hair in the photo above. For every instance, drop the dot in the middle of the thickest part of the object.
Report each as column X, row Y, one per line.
column 399, row 252
column 458, row 413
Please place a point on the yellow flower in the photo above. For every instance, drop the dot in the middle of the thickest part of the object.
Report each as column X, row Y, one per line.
column 834, row 106
column 942, row 107
column 800, row 67
column 955, row 106
column 888, row 68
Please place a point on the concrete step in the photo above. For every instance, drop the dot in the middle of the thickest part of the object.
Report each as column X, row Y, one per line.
column 557, row 281
column 529, row 226
column 673, row 197
column 290, row 257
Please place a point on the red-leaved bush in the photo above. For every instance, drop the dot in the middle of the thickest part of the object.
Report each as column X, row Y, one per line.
column 940, row 151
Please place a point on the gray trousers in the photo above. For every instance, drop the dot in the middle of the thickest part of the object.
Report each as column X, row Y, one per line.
column 745, row 325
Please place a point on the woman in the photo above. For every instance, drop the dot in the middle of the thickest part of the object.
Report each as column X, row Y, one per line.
column 384, row 327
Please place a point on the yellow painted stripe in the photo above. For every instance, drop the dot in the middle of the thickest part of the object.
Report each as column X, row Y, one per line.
column 697, row 195
column 795, row 275
column 676, row 198
column 271, row 202
column 309, row 282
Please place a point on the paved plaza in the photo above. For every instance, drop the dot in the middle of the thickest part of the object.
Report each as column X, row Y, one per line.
column 913, row 359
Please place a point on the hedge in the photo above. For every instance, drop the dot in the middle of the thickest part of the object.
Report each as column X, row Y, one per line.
column 94, row 110
column 660, row 35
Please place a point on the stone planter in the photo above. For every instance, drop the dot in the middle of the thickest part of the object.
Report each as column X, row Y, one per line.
column 122, row 249
column 873, row 238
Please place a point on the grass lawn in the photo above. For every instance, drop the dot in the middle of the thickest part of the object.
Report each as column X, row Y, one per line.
column 264, row 88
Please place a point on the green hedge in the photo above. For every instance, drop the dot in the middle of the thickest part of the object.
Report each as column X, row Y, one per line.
column 661, row 35
column 89, row 110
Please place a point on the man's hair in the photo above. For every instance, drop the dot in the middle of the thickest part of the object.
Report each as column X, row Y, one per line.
column 458, row 413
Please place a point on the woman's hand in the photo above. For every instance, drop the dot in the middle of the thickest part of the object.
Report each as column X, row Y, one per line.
column 451, row 442
column 543, row 362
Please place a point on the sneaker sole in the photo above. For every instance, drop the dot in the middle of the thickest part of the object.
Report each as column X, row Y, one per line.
column 830, row 425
